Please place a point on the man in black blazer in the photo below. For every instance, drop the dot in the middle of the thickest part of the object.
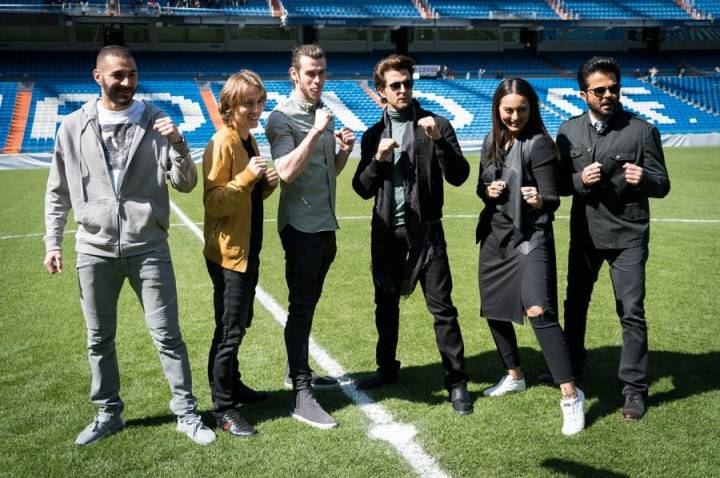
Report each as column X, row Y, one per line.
column 405, row 158
column 612, row 162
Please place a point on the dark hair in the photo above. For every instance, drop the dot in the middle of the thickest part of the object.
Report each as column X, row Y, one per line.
column 114, row 50
column 500, row 134
column 604, row 64
column 392, row 62
column 310, row 50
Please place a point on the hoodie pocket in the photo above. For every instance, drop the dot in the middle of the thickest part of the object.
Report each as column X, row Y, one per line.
column 141, row 221
column 98, row 219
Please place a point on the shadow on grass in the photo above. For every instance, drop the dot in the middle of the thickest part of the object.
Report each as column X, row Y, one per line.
column 423, row 384
column 575, row 469
column 686, row 371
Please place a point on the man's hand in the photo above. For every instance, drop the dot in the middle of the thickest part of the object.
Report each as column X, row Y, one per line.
column 385, row 149
column 430, row 127
column 167, row 128
column 53, row 262
column 532, row 196
column 495, row 189
column 633, row 173
column 322, row 119
column 257, row 166
column 591, row 174
column 271, row 176
column 346, row 139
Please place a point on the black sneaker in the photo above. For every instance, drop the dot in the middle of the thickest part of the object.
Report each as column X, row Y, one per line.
column 634, row 408
column 233, row 423
column 307, row 410
column 245, row 395
column 378, row 379
column 460, row 399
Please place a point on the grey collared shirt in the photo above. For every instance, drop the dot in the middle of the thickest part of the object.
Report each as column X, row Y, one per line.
column 307, row 203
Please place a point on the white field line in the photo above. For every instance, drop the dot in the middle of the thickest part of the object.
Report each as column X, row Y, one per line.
column 384, row 427
column 367, row 218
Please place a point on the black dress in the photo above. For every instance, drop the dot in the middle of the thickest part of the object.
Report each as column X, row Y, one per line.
column 517, row 253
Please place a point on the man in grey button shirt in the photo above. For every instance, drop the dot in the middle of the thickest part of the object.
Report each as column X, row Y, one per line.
column 302, row 142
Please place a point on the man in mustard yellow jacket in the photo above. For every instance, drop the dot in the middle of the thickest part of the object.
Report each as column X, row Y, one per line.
column 236, row 181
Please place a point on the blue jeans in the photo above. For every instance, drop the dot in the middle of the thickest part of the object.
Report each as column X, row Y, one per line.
column 152, row 278
column 307, row 260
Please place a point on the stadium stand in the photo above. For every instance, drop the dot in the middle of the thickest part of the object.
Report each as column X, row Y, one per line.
column 694, row 90
column 351, row 8
column 8, row 91
column 534, row 9
column 465, row 102
column 626, row 9
column 711, row 7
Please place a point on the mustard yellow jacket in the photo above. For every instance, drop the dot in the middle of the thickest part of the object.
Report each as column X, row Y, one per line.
column 228, row 186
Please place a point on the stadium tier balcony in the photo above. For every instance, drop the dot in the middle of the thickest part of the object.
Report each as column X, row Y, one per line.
column 626, row 9
column 531, row 9
column 351, row 8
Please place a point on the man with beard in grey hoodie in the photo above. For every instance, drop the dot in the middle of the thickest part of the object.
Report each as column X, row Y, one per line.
column 112, row 160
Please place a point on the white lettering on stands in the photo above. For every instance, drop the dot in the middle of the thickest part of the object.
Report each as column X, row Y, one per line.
column 461, row 116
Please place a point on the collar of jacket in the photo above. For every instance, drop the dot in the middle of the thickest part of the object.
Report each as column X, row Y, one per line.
column 90, row 112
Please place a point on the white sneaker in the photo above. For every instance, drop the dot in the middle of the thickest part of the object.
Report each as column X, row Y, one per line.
column 104, row 424
column 573, row 414
column 506, row 385
column 192, row 426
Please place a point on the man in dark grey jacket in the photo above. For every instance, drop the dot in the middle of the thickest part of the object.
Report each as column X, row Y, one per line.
column 405, row 159
column 112, row 160
column 612, row 162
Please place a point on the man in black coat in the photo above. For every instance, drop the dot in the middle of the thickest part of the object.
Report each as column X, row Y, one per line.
column 612, row 162
column 405, row 157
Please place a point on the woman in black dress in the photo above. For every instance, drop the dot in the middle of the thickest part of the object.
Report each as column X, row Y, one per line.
column 518, row 184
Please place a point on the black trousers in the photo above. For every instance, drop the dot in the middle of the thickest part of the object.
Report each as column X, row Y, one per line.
column 307, row 260
column 436, row 283
column 550, row 337
column 627, row 271
column 233, row 296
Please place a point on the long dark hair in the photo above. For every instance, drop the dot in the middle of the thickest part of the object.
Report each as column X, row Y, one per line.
column 500, row 135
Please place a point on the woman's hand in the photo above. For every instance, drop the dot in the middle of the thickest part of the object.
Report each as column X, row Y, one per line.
column 532, row 196
column 495, row 189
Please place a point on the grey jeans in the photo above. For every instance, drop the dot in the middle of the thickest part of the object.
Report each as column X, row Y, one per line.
column 152, row 278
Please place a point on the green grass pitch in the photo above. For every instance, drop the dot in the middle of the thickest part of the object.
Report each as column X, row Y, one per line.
column 44, row 376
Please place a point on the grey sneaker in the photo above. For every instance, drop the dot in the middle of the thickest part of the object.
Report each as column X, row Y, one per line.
column 192, row 426
column 307, row 410
column 103, row 425
column 317, row 381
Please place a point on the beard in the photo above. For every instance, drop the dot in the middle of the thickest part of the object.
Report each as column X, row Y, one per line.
column 605, row 110
column 120, row 95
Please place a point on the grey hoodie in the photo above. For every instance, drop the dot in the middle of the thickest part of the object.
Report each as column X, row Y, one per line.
column 136, row 218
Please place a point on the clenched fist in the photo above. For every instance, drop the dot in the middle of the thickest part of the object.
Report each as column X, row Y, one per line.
column 385, row 149
column 167, row 128
column 430, row 127
column 257, row 165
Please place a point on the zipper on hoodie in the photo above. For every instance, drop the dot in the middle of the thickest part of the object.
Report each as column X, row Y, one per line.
column 96, row 129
